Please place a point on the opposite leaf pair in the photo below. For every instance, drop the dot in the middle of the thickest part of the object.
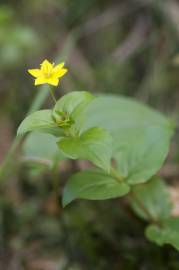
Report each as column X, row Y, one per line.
column 141, row 137
column 65, row 121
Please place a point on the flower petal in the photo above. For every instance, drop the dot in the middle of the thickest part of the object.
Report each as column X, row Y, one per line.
column 35, row 72
column 53, row 81
column 40, row 80
column 58, row 67
column 46, row 66
column 61, row 72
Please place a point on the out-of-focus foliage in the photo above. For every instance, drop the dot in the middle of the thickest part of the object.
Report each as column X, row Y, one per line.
column 155, row 199
column 16, row 40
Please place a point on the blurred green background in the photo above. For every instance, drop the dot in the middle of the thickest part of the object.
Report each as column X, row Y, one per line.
column 124, row 47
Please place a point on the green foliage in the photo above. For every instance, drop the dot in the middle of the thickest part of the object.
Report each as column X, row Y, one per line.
column 65, row 113
column 41, row 146
column 93, row 185
column 94, row 144
column 72, row 104
column 141, row 136
column 136, row 137
column 16, row 40
column 41, row 153
column 154, row 198
column 71, row 107
column 151, row 202
column 37, row 120
column 166, row 233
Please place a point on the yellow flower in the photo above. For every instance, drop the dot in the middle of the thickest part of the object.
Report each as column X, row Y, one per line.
column 48, row 73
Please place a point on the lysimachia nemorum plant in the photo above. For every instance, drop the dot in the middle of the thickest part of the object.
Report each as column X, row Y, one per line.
column 127, row 143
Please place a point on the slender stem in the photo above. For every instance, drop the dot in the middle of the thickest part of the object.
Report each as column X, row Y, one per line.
column 116, row 175
column 52, row 95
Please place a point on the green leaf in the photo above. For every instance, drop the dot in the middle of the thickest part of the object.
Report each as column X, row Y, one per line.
column 94, row 145
column 141, row 135
column 37, row 120
column 144, row 154
column 41, row 146
column 40, row 153
column 154, row 199
column 93, row 185
column 55, row 131
column 167, row 233
column 73, row 104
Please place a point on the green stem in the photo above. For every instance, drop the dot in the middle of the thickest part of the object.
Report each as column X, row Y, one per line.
column 116, row 175
column 53, row 96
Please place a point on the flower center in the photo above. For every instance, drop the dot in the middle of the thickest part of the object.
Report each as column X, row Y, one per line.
column 47, row 71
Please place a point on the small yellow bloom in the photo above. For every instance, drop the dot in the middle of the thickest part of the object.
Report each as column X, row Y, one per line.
column 48, row 73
